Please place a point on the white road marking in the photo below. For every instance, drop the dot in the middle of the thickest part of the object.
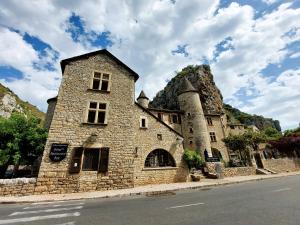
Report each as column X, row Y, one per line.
column 68, row 223
column 35, row 218
column 282, row 189
column 53, row 206
column 181, row 206
column 53, row 202
column 45, row 211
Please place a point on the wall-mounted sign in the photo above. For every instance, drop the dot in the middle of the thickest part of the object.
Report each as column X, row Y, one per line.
column 58, row 152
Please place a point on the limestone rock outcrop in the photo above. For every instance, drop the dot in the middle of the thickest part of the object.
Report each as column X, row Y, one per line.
column 10, row 102
column 202, row 80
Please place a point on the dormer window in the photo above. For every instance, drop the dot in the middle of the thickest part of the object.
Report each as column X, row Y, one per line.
column 101, row 81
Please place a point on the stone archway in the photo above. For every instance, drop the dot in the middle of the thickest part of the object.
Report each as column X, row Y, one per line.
column 216, row 153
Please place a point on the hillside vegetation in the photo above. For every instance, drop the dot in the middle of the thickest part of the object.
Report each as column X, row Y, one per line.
column 13, row 103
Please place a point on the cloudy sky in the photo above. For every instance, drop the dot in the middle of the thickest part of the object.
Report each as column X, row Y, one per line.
column 252, row 46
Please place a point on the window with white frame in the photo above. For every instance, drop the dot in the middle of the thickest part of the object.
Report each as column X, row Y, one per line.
column 101, row 81
column 97, row 112
column 143, row 122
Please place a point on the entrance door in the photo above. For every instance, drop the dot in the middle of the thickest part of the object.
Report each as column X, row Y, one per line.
column 258, row 161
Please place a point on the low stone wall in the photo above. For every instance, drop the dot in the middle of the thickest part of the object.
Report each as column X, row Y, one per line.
column 282, row 165
column 238, row 171
column 17, row 187
column 160, row 176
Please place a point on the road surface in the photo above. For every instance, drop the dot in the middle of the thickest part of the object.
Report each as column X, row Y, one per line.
column 268, row 202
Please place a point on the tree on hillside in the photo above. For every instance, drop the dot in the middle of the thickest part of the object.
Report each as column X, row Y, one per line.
column 21, row 141
column 272, row 133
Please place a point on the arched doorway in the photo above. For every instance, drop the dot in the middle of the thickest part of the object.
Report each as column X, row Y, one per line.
column 159, row 158
column 216, row 153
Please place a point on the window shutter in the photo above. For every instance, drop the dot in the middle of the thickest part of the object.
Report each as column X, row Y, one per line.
column 103, row 165
column 75, row 164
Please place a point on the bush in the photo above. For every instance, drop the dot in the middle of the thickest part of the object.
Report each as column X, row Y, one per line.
column 193, row 159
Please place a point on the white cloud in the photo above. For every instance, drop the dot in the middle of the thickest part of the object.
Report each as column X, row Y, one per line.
column 269, row 2
column 279, row 99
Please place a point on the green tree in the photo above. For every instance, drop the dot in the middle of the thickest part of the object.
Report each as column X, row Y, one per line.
column 237, row 143
column 242, row 142
column 22, row 141
column 192, row 158
column 272, row 133
column 254, row 139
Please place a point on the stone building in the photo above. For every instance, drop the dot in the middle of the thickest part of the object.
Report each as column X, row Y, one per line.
column 101, row 138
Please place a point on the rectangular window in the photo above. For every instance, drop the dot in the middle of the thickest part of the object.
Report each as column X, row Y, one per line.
column 159, row 137
column 174, row 118
column 160, row 116
column 90, row 159
column 95, row 159
column 209, row 121
column 143, row 122
column 101, row 81
column 213, row 136
column 97, row 113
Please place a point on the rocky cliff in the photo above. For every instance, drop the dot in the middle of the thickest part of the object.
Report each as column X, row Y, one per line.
column 202, row 80
column 10, row 102
column 211, row 98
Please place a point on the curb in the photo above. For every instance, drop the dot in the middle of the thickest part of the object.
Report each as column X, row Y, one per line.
column 154, row 193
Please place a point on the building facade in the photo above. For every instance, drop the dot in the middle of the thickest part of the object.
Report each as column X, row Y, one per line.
column 100, row 138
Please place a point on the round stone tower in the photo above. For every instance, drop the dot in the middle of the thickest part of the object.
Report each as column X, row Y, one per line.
column 143, row 100
column 194, row 128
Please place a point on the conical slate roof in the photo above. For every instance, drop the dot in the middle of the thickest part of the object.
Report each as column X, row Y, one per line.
column 186, row 86
column 142, row 95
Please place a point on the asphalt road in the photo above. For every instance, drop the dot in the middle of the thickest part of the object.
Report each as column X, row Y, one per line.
column 267, row 202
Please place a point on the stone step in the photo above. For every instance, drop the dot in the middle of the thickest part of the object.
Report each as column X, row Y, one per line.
column 262, row 171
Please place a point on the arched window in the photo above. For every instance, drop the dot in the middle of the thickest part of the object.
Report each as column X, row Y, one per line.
column 159, row 158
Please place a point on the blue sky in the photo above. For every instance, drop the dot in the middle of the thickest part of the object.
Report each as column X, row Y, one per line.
column 253, row 47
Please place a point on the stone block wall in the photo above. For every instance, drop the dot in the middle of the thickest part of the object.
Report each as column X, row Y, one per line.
column 239, row 171
column 282, row 165
column 160, row 176
column 146, row 141
column 217, row 127
column 69, row 126
column 17, row 187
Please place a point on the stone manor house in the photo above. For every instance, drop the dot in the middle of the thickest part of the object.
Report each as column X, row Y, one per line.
column 111, row 140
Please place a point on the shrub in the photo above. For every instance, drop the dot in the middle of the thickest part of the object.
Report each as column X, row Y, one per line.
column 193, row 159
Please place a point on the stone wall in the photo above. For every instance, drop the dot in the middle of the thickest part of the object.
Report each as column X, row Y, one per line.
column 160, row 176
column 146, row 141
column 17, row 187
column 231, row 171
column 282, row 165
column 238, row 171
column 218, row 126
column 69, row 126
